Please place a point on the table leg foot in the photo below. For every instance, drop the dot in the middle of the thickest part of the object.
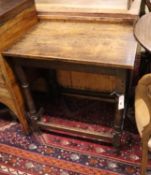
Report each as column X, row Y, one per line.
column 117, row 141
column 34, row 118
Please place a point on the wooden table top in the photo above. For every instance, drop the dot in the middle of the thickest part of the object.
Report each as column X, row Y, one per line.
column 95, row 43
column 142, row 31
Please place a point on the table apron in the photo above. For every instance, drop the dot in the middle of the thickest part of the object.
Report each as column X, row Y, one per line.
column 70, row 66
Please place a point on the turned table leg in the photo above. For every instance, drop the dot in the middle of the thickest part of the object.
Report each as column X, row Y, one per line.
column 120, row 108
column 33, row 115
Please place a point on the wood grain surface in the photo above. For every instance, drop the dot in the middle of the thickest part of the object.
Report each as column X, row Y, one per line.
column 80, row 10
column 67, row 5
column 86, row 6
column 9, row 9
column 16, row 17
column 104, row 44
column 17, row 27
column 86, row 81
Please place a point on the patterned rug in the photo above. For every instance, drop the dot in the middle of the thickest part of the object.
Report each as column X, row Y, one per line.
column 54, row 154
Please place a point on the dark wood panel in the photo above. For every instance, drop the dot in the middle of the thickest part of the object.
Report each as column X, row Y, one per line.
column 9, row 9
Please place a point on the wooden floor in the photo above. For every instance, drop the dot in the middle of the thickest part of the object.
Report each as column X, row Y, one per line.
column 104, row 44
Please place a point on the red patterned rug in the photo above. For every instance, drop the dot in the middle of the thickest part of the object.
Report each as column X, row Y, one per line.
column 52, row 154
